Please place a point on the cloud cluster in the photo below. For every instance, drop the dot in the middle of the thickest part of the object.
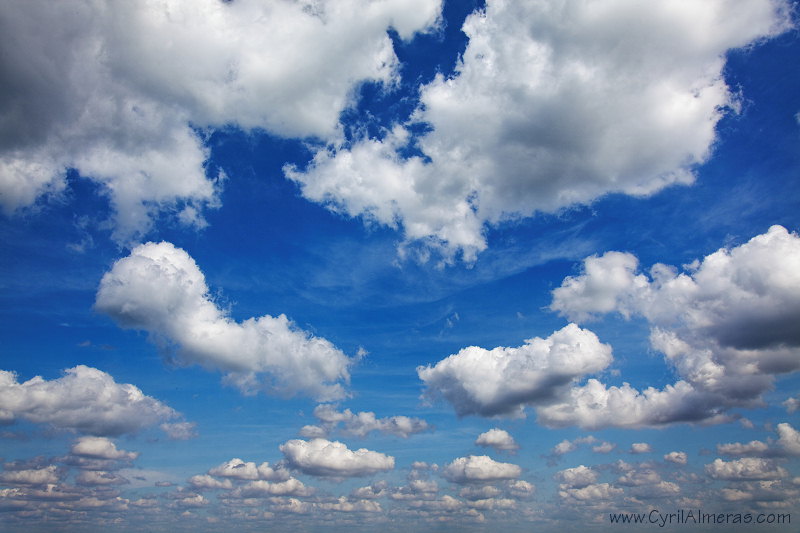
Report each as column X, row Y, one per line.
column 550, row 105
column 86, row 400
column 502, row 381
column 498, row 439
column 324, row 458
column 727, row 325
column 479, row 469
column 362, row 423
column 116, row 90
column 160, row 289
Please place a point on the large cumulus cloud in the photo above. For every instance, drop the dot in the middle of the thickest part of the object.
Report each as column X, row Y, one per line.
column 87, row 400
column 116, row 89
column 502, row 381
column 728, row 325
column 160, row 289
column 551, row 104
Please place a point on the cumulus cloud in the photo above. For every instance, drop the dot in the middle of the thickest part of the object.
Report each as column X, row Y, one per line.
column 479, row 469
column 641, row 447
column 101, row 448
column 261, row 489
column 321, row 457
column 498, row 439
column 249, row 471
column 160, row 289
column 502, row 381
column 746, row 468
column 204, row 481
column 788, row 439
column 362, row 423
column 115, row 90
column 727, row 325
column 679, row 458
column 38, row 476
column 85, row 399
column 550, row 105
column 577, row 477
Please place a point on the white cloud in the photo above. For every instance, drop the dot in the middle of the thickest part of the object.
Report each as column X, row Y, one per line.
column 746, row 468
column 362, row 423
column 342, row 505
column 479, row 469
column 679, row 458
column 754, row 447
column 100, row 448
column 792, row 405
column 321, row 457
column 113, row 89
column 261, row 489
column 99, row 478
column 502, row 381
column 789, row 439
column 727, row 325
column 204, row 481
column 39, row 476
column 577, row 477
column 85, row 399
column 238, row 469
column 498, row 439
column 550, row 105
column 641, row 447
column 597, row 492
column 160, row 289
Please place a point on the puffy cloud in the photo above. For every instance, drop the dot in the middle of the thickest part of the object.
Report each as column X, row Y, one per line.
column 321, row 457
column 727, row 325
column 160, row 289
column 754, row 447
column 204, row 481
column 85, row 399
column 597, row 492
column 261, row 488
column 789, row 439
column 479, row 469
column 99, row 478
column 238, row 469
column 362, row 423
column 550, row 105
column 498, row 439
column 503, row 380
column 746, row 468
column 567, row 446
column 114, row 90
column 39, row 476
column 594, row 405
column 343, row 505
column 577, row 477
column 679, row 458
column 641, row 447
column 792, row 405
column 100, row 448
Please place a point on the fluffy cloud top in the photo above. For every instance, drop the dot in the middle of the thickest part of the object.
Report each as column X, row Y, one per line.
column 551, row 104
column 746, row 468
column 727, row 325
column 363, row 423
column 101, row 448
column 321, row 457
column 86, row 400
column 114, row 89
column 503, row 380
column 160, row 289
column 679, row 458
column 479, row 469
column 498, row 439
column 238, row 469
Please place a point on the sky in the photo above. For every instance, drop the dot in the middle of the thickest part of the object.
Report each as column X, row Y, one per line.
column 415, row 265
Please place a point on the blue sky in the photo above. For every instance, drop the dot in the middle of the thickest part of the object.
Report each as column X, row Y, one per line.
column 440, row 266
